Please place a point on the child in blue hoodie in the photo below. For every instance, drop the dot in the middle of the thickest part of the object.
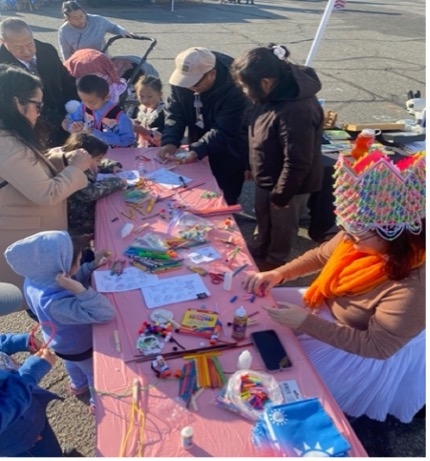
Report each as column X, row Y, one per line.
column 98, row 115
column 24, row 427
column 58, row 292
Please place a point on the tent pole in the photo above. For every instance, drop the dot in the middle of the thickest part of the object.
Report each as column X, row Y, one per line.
column 320, row 33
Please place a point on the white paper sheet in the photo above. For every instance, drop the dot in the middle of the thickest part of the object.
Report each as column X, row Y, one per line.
column 167, row 178
column 174, row 290
column 290, row 391
column 131, row 279
column 131, row 176
column 204, row 255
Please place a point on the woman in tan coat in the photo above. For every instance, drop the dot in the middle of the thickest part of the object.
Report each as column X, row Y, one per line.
column 32, row 193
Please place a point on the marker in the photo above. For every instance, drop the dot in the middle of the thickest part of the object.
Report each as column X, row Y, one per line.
column 239, row 269
column 233, row 299
column 150, row 204
column 116, row 341
column 182, row 180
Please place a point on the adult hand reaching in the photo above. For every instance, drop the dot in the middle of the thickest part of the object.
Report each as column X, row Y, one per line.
column 261, row 283
column 287, row 314
column 167, row 151
column 81, row 159
column 189, row 157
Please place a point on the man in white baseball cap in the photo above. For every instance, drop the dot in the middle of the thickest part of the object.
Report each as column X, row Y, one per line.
column 206, row 101
column 191, row 66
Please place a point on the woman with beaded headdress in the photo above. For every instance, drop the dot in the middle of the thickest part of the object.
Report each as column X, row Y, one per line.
column 362, row 320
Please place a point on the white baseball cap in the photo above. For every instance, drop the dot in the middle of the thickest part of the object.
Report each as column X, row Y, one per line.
column 191, row 65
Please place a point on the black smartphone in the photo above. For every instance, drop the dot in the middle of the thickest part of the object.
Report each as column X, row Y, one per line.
column 271, row 350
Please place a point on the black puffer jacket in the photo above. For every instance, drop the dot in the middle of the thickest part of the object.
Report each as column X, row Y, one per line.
column 224, row 136
column 285, row 137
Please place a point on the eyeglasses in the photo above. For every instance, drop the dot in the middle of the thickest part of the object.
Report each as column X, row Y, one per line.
column 196, row 85
column 38, row 104
column 357, row 238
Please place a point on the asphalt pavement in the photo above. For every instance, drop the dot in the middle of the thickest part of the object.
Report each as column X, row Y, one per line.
column 371, row 54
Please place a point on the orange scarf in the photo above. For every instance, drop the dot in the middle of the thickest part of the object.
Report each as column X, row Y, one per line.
column 348, row 272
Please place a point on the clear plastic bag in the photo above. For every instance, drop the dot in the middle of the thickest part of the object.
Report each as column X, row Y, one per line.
column 249, row 392
column 189, row 226
column 153, row 241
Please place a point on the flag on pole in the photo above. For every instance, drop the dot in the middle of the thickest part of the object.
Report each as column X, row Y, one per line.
column 339, row 4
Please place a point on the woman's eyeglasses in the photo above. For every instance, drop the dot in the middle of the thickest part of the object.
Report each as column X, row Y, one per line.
column 38, row 104
column 357, row 238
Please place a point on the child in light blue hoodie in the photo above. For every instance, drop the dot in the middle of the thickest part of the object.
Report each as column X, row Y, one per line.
column 58, row 292
column 98, row 115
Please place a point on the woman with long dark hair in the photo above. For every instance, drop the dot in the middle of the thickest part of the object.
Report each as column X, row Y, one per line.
column 362, row 320
column 285, row 136
column 32, row 194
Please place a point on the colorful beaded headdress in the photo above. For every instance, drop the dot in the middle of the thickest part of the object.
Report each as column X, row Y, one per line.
column 373, row 193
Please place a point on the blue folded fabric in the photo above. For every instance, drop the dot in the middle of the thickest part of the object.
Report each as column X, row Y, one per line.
column 300, row 428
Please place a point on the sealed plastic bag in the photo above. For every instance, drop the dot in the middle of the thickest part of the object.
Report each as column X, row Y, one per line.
column 189, row 226
column 249, row 393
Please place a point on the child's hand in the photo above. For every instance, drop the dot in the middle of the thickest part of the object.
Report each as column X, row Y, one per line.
column 35, row 345
column 137, row 127
column 69, row 284
column 101, row 257
column 155, row 138
column 76, row 127
column 47, row 354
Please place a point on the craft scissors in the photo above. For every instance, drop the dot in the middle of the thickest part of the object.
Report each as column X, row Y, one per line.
column 216, row 279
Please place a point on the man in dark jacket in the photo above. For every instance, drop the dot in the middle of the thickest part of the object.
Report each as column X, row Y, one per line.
column 205, row 100
column 21, row 49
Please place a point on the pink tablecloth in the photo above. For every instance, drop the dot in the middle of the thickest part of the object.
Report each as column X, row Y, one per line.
column 217, row 432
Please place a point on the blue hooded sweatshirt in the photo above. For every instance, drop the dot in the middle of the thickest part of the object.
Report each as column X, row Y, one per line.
column 64, row 316
column 22, row 402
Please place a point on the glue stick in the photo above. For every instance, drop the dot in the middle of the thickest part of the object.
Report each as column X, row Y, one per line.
column 187, row 437
column 228, row 280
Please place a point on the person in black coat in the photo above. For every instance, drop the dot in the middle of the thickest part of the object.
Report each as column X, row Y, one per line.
column 205, row 100
column 285, row 135
column 21, row 49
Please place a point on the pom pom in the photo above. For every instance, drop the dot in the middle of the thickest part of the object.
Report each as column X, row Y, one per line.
column 126, row 229
column 279, row 51
column 72, row 106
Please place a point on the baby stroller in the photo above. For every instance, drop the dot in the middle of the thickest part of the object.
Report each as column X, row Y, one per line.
column 131, row 68
column 121, row 72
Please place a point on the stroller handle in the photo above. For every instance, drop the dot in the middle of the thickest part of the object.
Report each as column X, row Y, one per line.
column 133, row 37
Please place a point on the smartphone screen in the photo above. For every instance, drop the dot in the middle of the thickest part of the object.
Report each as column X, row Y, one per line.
column 271, row 350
